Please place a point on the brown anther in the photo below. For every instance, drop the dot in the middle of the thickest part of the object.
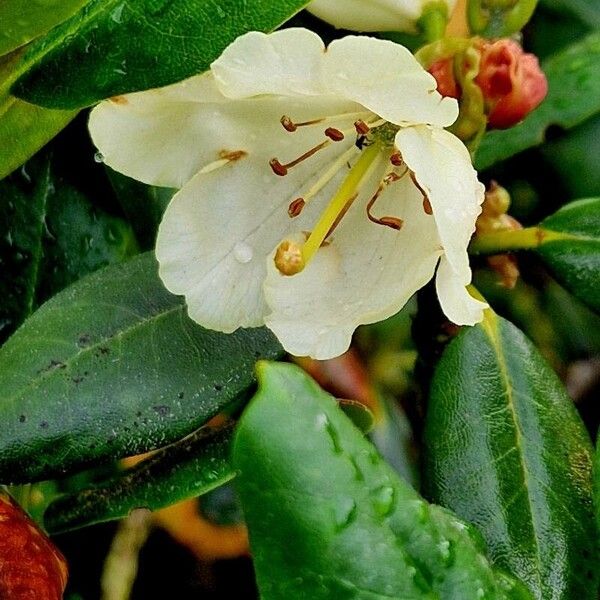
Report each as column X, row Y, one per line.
column 282, row 170
column 295, row 207
column 288, row 258
column 278, row 168
column 288, row 124
column 361, row 127
column 334, row 134
column 392, row 222
column 396, row 159
column 427, row 206
column 232, row 155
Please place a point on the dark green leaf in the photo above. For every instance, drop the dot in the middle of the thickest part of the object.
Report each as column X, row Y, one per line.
column 308, row 477
column 116, row 46
column 585, row 10
column 184, row 470
column 50, row 236
column 23, row 20
column 573, row 96
column 574, row 257
column 507, row 451
column 111, row 367
column 24, row 127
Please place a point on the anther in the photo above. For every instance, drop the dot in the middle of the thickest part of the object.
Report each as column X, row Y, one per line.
column 278, row 168
column 296, row 206
column 281, row 170
column 334, row 134
column 288, row 258
column 396, row 159
column 427, row 206
column 361, row 127
column 392, row 222
column 290, row 126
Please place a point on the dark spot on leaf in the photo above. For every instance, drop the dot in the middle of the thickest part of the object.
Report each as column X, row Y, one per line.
column 161, row 410
column 138, row 413
column 102, row 351
column 180, row 395
column 218, row 387
column 84, row 340
column 54, row 364
column 77, row 380
column 22, row 419
column 44, row 425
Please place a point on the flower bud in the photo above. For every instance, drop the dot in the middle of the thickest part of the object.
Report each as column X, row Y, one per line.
column 496, row 78
column 376, row 15
column 511, row 81
column 30, row 565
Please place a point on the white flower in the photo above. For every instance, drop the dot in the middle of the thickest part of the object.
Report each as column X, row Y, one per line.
column 375, row 15
column 362, row 118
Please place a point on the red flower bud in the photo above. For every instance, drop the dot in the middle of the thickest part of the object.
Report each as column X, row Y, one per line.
column 511, row 81
column 30, row 566
column 443, row 71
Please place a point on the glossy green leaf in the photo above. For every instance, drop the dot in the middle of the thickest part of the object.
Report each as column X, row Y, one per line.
column 50, row 236
column 575, row 68
column 571, row 249
column 187, row 469
column 113, row 366
column 310, row 479
column 24, row 127
column 585, row 10
column 506, row 450
column 117, row 46
column 23, row 20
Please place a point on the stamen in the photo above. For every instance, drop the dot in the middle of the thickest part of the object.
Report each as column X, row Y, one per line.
column 396, row 159
column 423, row 192
column 288, row 258
column 282, row 169
column 361, row 127
column 427, row 206
column 334, row 134
column 289, row 125
column 341, row 201
column 392, row 222
column 295, row 207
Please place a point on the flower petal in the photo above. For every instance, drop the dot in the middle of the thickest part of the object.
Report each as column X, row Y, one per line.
column 218, row 230
column 456, row 302
column 286, row 62
column 387, row 79
column 442, row 166
column 361, row 15
column 367, row 273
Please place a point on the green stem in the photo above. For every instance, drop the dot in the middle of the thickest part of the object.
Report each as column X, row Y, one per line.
column 513, row 239
column 433, row 21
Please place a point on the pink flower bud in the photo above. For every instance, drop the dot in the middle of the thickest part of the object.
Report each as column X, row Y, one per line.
column 511, row 81
column 443, row 71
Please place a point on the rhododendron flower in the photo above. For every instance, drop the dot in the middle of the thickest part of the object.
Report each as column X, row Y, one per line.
column 319, row 189
column 375, row 15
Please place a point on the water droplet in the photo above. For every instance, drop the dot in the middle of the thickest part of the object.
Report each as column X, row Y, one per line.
column 345, row 512
column 99, row 157
column 444, row 548
column 383, row 500
column 242, row 252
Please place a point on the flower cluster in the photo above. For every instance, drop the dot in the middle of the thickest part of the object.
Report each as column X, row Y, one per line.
column 318, row 187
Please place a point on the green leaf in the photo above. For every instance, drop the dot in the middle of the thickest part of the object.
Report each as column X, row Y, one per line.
column 506, row 450
column 113, row 366
column 187, row 469
column 116, row 46
column 307, row 475
column 50, row 236
column 570, row 246
column 597, row 482
column 23, row 20
column 24, row 127
column 575, row 68
column 585, row 10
